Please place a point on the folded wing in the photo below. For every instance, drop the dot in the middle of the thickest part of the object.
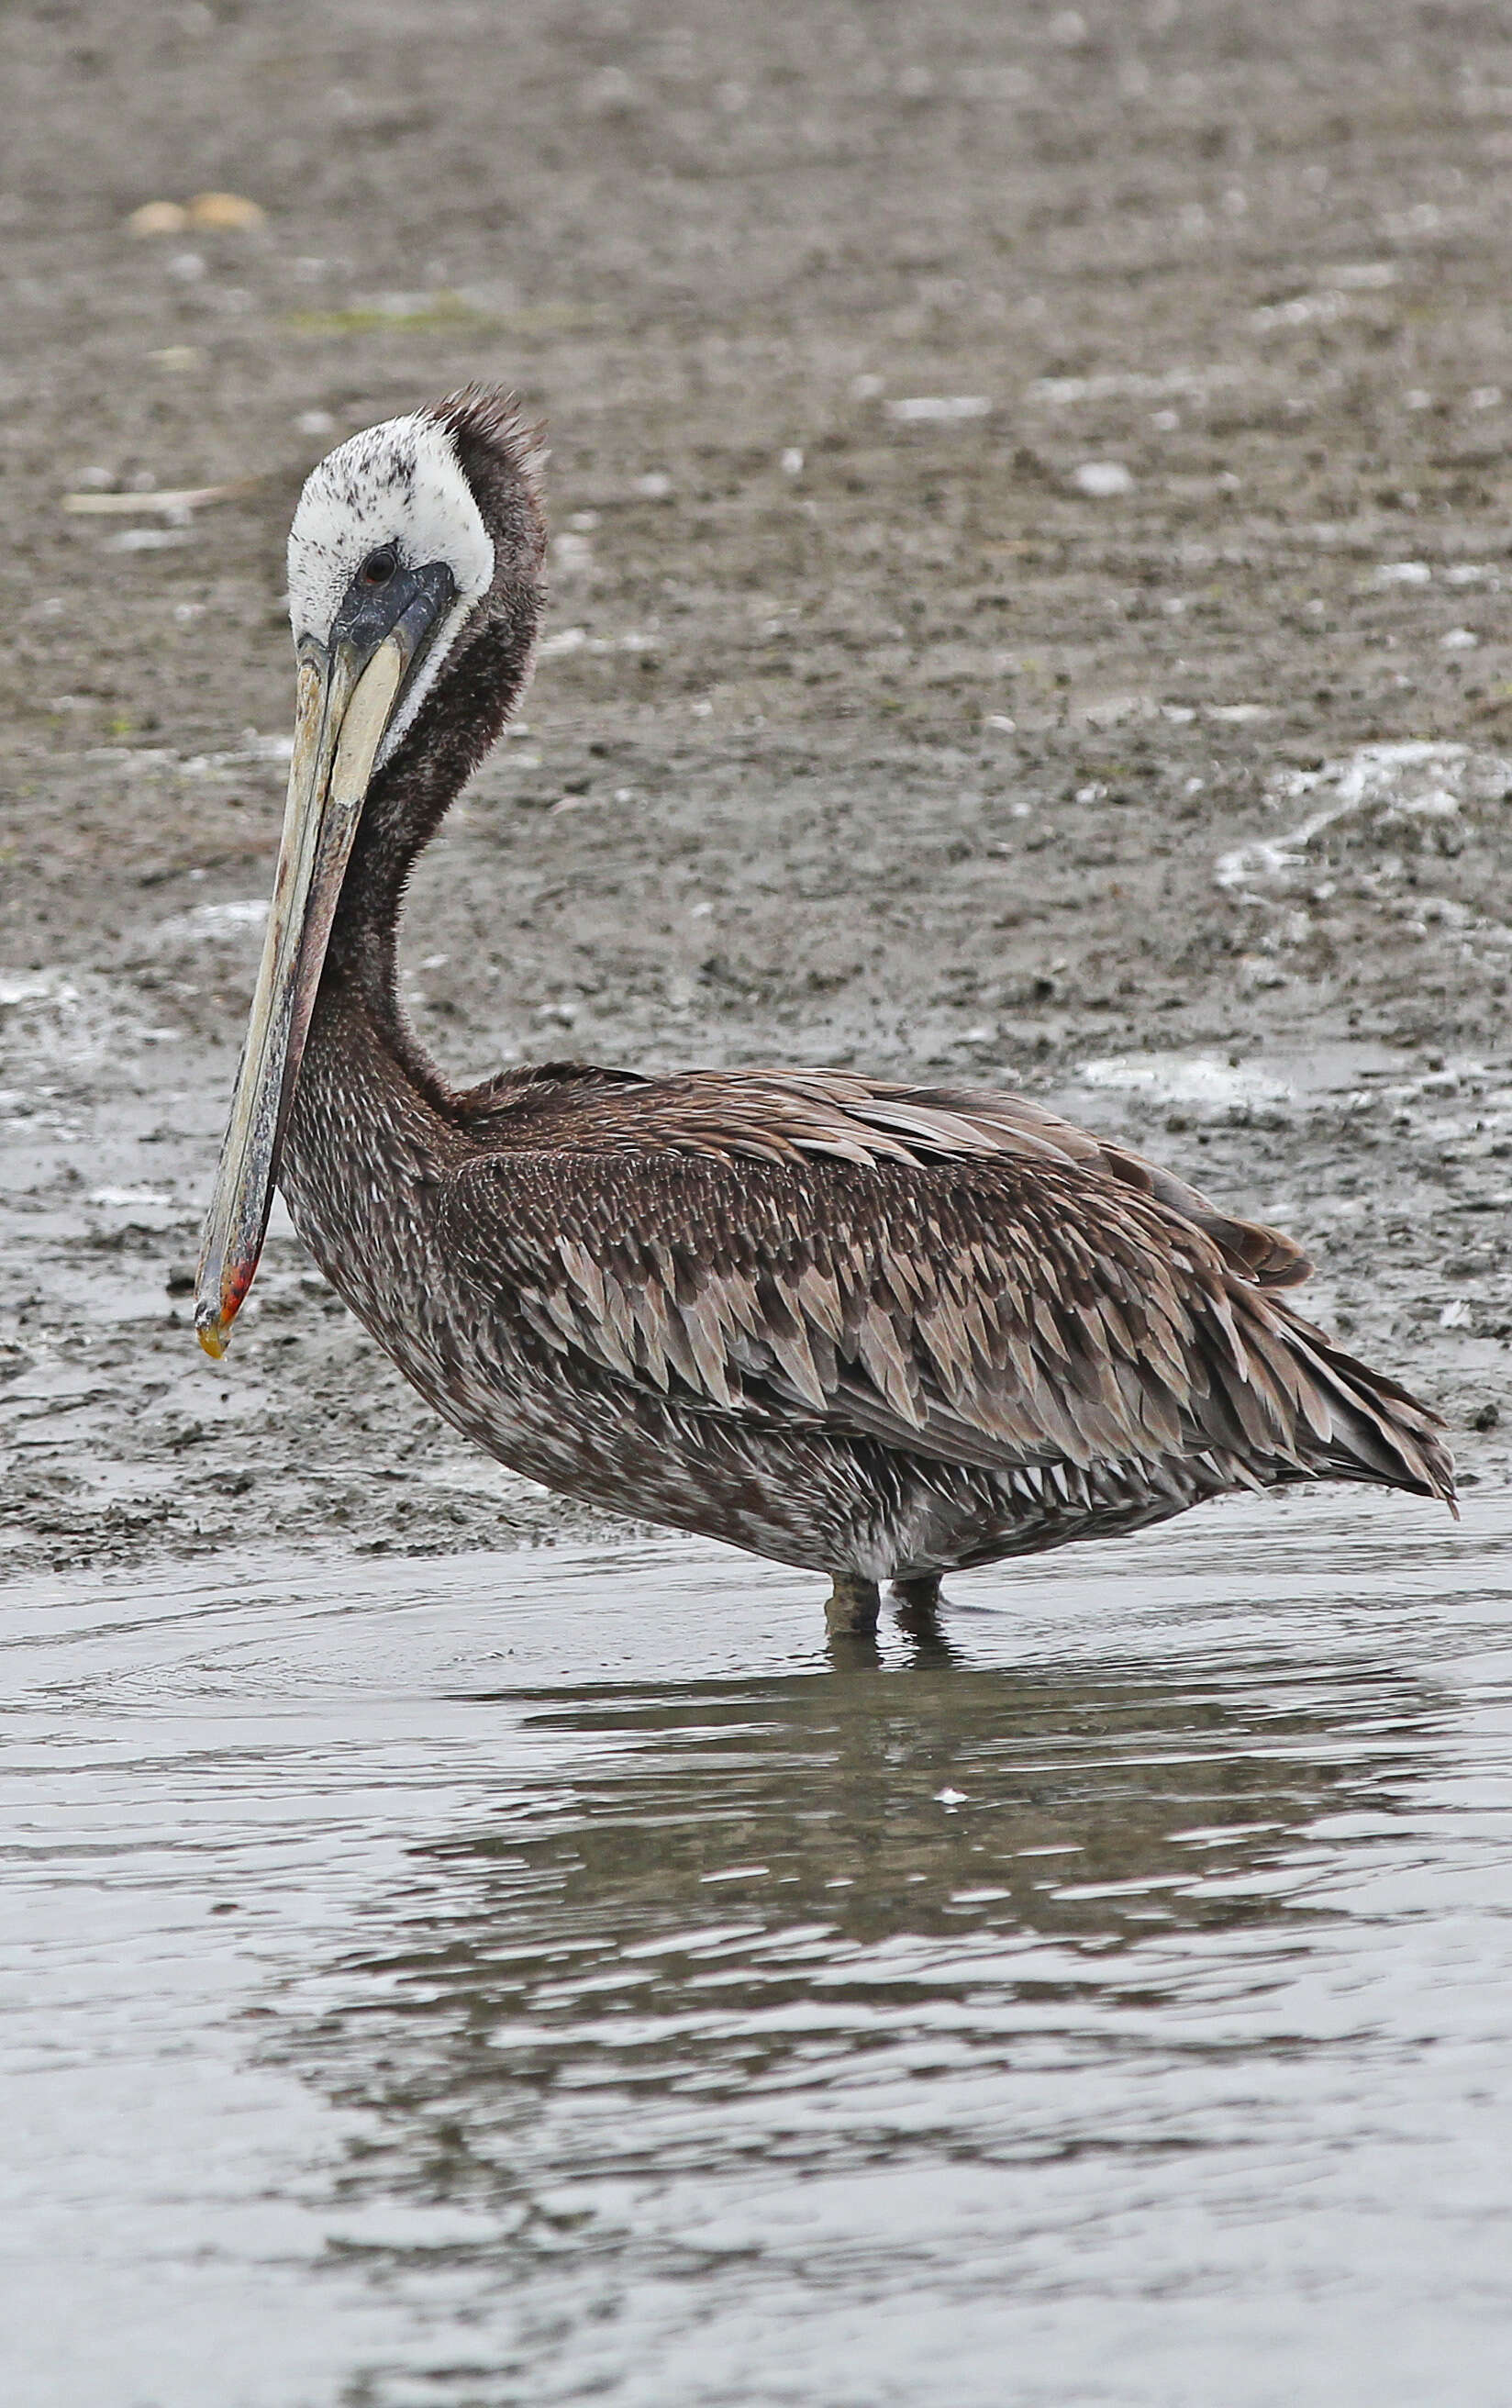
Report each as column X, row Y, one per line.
column 961, row 1275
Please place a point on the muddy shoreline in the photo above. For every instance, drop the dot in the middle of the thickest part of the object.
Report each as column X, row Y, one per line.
column 1032, row 512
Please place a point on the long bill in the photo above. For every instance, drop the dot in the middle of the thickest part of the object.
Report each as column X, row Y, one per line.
column 346, row 699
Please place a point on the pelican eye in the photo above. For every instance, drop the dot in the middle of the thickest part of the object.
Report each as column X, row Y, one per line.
column 379, row 567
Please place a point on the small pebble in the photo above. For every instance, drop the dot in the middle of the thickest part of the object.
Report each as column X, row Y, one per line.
column 223, row 212
column 939, row 408
column 158, row 217
column 206, row 213
column 1103, row 479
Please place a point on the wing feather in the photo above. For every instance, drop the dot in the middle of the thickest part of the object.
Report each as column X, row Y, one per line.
column 963, row 1275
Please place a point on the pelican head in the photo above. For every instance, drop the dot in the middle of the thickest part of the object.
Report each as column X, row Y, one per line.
column 414, row 564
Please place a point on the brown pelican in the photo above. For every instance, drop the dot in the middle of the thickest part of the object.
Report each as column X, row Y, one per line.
column 879, row 1331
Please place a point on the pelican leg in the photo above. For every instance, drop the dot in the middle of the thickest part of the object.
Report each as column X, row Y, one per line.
column 919, row 1595
column 916, row 1601
column 852, row 1605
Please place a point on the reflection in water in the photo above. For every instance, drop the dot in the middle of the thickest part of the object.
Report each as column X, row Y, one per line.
column 798, row 1991
column 549, row 1980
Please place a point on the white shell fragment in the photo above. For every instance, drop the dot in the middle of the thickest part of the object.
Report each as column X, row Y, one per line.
column 1103, row 479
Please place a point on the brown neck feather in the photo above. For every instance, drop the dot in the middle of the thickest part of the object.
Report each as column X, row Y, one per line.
column 457, row 726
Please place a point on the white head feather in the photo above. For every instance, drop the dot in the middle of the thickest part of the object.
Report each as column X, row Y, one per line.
column 399, row 484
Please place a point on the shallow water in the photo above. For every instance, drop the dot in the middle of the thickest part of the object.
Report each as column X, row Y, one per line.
column 551, row 1978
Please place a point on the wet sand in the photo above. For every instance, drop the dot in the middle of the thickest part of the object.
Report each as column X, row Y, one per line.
column 1009, row 469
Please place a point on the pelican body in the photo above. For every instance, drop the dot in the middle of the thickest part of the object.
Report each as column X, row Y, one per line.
column 875, row 1331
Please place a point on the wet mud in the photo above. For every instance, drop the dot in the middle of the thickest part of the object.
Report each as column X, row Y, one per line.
column 1030, row 492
